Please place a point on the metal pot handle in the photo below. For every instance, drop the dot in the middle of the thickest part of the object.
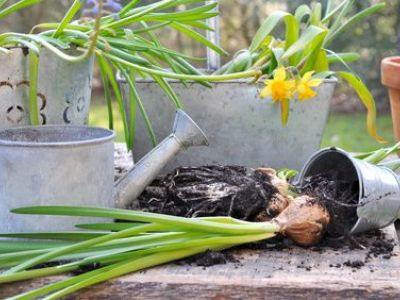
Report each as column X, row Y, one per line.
column 213, row 58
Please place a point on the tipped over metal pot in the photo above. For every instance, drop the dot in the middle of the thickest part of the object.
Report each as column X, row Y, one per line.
column 378, row 187
column 73, row 165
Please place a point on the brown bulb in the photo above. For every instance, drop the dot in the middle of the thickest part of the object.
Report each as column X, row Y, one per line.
column 304, row 221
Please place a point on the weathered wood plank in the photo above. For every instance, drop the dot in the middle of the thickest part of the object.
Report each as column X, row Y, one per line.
column 294, row 272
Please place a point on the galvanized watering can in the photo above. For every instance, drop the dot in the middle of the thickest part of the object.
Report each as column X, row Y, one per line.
column 73, row 165
column 378, row 193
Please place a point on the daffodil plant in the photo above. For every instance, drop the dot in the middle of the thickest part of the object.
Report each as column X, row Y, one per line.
column 294, row 65
column 283, row 88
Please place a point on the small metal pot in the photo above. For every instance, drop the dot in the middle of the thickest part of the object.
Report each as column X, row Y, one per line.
column 73, row 166
column 64, row 89
column 379, row 189
column 53, row 165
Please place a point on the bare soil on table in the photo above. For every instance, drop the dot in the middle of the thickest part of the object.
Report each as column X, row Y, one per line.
column 246, row 194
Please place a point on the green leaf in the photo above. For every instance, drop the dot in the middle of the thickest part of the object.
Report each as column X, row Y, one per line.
column 135, row 98
column 309, row 39
column 322, row 62
column 367, row 99
column 292, row 29
column 302, row 11
column 354, row 20
column 33, row 83
column 16, row 7
column 198, row 37
column 107, row 92
column 68, row 236
column 343, row 57
column 108, row 226
column 75, row 7
column 117, row 93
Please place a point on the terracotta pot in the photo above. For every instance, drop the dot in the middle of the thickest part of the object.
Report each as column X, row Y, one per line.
column 390, row 74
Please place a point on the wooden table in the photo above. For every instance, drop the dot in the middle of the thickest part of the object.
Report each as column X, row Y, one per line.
column 292, row 273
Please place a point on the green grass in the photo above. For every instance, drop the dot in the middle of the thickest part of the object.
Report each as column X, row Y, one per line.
column 346, row 131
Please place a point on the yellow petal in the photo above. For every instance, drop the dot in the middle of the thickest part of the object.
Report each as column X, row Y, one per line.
column 265, row 92
column 314, row 82
column 307, row 76
column 280, row 74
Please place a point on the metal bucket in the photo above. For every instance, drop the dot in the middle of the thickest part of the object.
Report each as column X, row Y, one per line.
column 379, row 189
column 54, row 165
column 64, row 89
column 242, row 129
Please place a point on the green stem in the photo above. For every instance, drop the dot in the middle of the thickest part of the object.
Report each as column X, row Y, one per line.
column 190, row 224
column 211, row 78
column 33, row 83
column 79, row 246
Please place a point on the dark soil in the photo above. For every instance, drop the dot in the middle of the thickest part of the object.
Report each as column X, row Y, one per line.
column 209, row 258
column 234, row 191
column 242, row 192
column 340, row 199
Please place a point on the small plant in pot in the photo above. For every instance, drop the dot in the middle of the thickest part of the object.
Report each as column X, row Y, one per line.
column 53, row 67
column 300, row 61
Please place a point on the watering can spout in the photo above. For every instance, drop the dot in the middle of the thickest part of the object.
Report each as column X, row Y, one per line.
column 186, row 133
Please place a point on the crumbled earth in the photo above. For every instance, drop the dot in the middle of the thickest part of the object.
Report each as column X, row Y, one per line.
column 240, row 192
column 233, row 191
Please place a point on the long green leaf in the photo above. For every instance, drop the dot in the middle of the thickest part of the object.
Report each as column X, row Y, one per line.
column 198, row 37
column 354, row 20
column 75, row 7
column 17, row 7
column 310, row 37
column 367, row 99
column 136, row 100
column 107, row 92
column 292, row 29
column 117, row 93
column 33, row 85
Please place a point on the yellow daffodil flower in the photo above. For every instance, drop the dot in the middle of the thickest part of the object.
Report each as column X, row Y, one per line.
column 278, row 88
column 305, row 85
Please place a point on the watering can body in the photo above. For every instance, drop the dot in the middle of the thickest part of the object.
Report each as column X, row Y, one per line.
column 378, row 187
column 73, row 166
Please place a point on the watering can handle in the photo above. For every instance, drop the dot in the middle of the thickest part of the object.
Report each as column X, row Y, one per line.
column 213, row 58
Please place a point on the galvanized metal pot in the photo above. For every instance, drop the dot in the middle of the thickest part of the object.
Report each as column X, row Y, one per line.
column 73, row 165
column 63, row 89
column 242, row 129
column 379, row 187
column 54, row 165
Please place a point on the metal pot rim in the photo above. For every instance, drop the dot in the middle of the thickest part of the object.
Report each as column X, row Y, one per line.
column 105, row 136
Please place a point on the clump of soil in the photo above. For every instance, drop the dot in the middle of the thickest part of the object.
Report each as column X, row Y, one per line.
column 235, row 191
column 339, row 197
column 209, row 258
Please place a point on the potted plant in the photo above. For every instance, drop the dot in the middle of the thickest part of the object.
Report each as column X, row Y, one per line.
column 247, row 131
column 48, row 78
column 390, row 74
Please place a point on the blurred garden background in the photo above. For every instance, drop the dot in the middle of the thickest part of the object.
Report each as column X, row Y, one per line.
column 374, row 39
